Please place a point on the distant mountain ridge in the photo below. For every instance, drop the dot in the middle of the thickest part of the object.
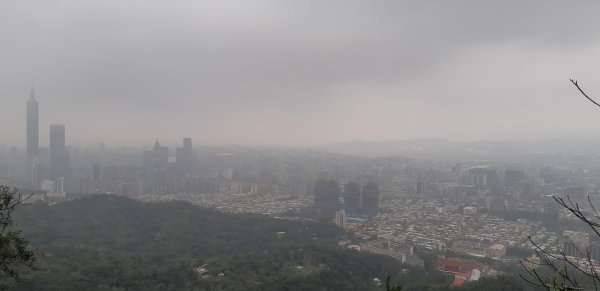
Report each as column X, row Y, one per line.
column 408, row 147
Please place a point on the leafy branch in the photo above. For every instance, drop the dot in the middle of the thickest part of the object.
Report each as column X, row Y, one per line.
column 14, row 249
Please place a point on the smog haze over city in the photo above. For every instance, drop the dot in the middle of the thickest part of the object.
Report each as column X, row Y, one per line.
column 300, row 72
column 299, row 145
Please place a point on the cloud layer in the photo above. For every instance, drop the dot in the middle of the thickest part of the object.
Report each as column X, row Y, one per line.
column 299, row 72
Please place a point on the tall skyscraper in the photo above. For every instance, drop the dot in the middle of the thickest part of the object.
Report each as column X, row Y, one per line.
column 32, row 135
column 58, row 152
column 32, row 128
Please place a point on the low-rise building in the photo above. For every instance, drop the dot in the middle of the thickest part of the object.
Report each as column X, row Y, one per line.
column 471, row 248
column 390, row 247
column 497, row 251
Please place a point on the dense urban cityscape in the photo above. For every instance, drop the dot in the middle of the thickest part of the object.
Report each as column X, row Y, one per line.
column 272, row 145
column 483, row 207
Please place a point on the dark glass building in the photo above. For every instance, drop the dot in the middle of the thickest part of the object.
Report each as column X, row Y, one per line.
column 352, row 198
column 370, row 199
column 327, row 194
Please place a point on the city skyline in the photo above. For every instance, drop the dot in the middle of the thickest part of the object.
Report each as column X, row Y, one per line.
column 283, row 73
column 32, row 142
column 299, row 145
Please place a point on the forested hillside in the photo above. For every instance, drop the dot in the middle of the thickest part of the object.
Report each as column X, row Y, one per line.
column 114, row 243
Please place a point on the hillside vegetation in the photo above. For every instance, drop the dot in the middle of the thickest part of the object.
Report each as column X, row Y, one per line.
column 114, row 243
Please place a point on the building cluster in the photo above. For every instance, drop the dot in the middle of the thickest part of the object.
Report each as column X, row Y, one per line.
column 428, row 226
column 268, row 203
column 45, row 168
column 480, row 200
column 353, row 199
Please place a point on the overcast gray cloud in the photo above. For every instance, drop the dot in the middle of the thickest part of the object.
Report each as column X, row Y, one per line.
column 299, row 72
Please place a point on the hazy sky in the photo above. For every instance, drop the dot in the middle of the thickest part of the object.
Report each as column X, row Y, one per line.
column 299, row 72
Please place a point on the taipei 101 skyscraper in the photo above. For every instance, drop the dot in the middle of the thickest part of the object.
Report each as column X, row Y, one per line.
column 32, row 138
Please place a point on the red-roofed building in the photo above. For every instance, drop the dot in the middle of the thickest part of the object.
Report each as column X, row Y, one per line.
column 459, row 268
column 458, row 281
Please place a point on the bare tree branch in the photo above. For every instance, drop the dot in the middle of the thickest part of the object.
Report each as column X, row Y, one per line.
column 584, row 94
column 558, row 263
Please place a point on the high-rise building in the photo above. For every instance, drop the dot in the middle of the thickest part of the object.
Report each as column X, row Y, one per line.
column 184, row 156
column 159, row 181
column 32, row 141
column 327, row 193
column 491, row 177
column 340, row 218
column 570, row 249
column 58, row 152
column 551, row 218
column 96, row 176
column 370, row 197
column 352, row 198
column 475, row 176
column 161, row 155
column 32, row 127
column 512, row 177
column 420, row 187
column 187, row 146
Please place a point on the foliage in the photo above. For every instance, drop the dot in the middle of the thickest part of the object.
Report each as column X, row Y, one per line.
column 14, row 249
column 499, row 283
column 113, row 243
column 388, row 287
